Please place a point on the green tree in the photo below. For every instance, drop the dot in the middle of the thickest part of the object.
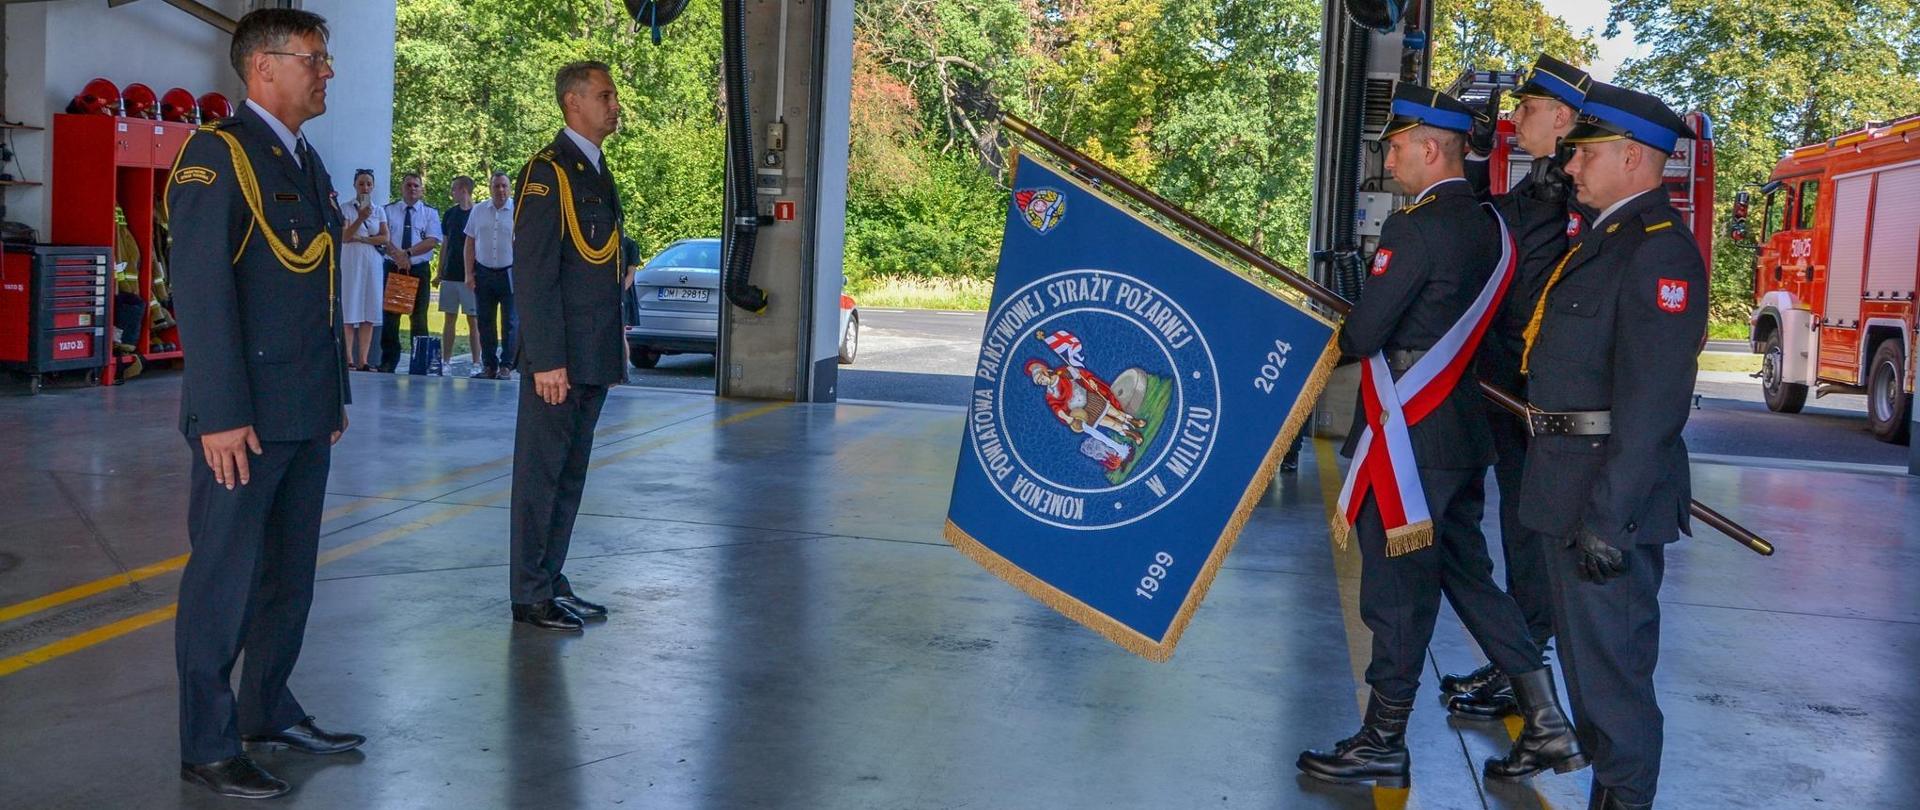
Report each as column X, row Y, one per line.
column 1500, row 35
column 1772, row 76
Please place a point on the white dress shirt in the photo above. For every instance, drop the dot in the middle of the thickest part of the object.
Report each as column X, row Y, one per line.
column 586, row 147
column 288, row 137
column 490, row 230
column 426, row 225
column 1622, row 204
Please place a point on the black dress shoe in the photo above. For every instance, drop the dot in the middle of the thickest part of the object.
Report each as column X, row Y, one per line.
column 1493, row 701
column 235, row 776
column 547, row 616
column 1451, row 685
column 580, row 607
column 306, row 738
column 482, row 374
column 1377, row 754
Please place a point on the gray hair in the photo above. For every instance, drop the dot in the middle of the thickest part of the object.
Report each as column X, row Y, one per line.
column 574, row 74
column 269, row 28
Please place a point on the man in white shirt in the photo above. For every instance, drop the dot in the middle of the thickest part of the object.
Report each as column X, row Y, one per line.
column 415, row 233
column 489, row 263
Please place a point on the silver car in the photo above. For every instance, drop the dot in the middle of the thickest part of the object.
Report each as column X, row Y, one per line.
column 674, row 305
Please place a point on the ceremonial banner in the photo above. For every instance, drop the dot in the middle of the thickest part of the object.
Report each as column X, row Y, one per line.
column 1132, row 398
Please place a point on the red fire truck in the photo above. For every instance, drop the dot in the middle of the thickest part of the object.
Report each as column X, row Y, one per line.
column 1839, row 254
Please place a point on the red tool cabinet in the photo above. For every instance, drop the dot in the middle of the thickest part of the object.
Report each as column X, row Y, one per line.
column 53, row 310
column 99, row 162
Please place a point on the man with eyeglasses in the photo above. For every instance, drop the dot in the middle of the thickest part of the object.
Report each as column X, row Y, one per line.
column 263, row 398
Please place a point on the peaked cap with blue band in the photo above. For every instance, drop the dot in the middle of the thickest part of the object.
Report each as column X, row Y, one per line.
column 1550, row 78
column 1613, row 113
column 1414, row 106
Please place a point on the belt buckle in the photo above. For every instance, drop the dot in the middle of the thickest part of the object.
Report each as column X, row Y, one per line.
column 1531, row 425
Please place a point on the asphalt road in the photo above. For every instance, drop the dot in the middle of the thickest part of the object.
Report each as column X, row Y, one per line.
column 927, row 357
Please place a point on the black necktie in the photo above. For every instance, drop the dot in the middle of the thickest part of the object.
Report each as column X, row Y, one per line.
column 406, row 231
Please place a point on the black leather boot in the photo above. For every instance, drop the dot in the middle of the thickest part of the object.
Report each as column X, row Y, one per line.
column 1492, row 701
column 1377, row 754
column 1547, row 740
column 1451, row 685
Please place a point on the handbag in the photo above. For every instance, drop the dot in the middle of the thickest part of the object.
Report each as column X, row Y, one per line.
column 402, row 290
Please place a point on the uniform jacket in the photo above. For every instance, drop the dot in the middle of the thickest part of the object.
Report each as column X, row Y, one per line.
column 1541, row 228
column 569, row 307
column 1622, row 331
column 263, row 343
column 1435, row 255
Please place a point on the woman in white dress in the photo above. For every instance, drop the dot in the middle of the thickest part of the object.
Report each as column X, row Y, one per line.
column 361, row 278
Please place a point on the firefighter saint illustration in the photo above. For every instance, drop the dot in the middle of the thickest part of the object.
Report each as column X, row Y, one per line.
column 1108, row 415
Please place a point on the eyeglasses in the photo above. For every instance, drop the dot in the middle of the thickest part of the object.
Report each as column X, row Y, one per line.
column 314, row 60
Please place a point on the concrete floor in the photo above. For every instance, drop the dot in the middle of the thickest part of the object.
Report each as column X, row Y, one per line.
column 789, row 631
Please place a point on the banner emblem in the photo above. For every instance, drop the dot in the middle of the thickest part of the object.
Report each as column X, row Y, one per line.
column 1132, row 397
column 1043, row 208
column 1096, row 431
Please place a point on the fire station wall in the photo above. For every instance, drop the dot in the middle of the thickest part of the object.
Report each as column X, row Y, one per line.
column 54, row 48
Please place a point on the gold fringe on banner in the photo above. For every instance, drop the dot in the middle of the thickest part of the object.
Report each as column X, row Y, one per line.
column 1117, row 632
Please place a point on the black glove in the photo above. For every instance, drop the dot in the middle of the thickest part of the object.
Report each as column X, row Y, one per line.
column 1480, row 138
column 1599, row 560
column 1551, row 183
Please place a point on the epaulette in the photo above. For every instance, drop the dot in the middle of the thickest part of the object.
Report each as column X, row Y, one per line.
column 545, row 154
column 223, row 123
column 1416, row 205
column 1657, row 220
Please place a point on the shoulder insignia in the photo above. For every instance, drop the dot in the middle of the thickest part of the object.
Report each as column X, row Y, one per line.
column 545, row 154
column 1659, row 226
column 223, row 123
column 1411, row 208
column 1614, row 227
column 535, row 190
column 1381, row 258
column 195, row 174
column 1574, row 224
column 1671, row 295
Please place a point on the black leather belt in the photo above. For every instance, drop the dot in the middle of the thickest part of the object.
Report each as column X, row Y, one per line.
column 493, row 269
column 1399, row 360
column 1569, row 423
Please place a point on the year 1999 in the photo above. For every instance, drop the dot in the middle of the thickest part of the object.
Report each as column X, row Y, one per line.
column 1150, row 583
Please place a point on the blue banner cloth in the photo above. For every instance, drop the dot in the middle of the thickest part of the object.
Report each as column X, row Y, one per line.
column 1132, row 398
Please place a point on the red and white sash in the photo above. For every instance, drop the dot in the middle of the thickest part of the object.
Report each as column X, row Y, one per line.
column 1383, row 461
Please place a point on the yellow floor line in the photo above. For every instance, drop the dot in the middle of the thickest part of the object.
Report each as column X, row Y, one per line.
column 108, row 632
column 41, row 655
column 1346, row 566
column 104, row 584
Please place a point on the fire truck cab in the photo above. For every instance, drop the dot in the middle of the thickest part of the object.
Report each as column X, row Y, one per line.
column 1834, row 278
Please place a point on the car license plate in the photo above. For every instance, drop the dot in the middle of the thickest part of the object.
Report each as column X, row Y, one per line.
column 683, row 294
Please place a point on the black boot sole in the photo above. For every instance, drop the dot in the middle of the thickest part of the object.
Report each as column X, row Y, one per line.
column 274, row 745
column 1482, row 718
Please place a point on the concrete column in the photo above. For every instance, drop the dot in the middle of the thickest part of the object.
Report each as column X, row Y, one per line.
column 800, row 67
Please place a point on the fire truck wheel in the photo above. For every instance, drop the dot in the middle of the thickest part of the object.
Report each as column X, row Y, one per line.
column 1887, row 399
column 1782, row 397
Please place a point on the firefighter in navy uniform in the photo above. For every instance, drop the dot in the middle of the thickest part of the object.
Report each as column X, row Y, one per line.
column 1543, row 215
column 567, row 286
column 1610, row 357
column 1435, row 259
column 262, row 400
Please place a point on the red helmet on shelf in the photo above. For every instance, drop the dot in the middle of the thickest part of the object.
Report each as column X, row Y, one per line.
column 214, row 107
column 140, row 101
column 99, row 97
column 178, row 105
